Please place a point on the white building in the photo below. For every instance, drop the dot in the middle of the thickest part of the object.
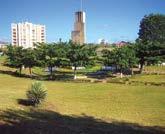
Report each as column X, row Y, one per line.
column 26, row 34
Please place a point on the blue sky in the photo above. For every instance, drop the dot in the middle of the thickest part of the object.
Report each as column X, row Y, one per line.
column 113, row 20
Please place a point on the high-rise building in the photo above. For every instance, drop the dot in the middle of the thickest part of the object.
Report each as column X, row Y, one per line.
column 26, row 34
column 79, row 33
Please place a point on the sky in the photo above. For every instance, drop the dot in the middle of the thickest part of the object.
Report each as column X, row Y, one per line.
column 112, row 20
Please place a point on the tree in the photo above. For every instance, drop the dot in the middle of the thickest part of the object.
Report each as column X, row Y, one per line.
column 29, row 59
column 15, row 57
column 154, row 60
column 80, row 55
column 146, row 49
column 151, row 41
column 47, row 56
column 132, row 59
column 123, row 58
column 61, row 50
column 108, row 57
column 51, row 55
column 40, row 51
column 152, row 28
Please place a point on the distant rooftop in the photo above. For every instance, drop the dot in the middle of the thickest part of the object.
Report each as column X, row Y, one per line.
column 26, row 22
column 4, row 43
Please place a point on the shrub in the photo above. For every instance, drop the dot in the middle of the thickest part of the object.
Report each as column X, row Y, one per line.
column 36, row 93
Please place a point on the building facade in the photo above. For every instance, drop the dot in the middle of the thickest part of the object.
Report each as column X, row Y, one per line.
column 79, row 32
column 26, row 34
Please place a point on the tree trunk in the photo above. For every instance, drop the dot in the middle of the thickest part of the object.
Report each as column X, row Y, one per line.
column 116, row 69
column 51, row 73
column 121, row 73
column 132, row 73
column 141, row 64
column 30, row 71
column 20, row 70
column 141, row 67
column 75, row 77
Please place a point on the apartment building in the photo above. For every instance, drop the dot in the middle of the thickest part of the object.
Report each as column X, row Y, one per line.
column 26, row 34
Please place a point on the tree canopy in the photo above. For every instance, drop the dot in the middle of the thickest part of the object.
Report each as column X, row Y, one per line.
column 80, row 55
column 152, row 28
column 15, row 57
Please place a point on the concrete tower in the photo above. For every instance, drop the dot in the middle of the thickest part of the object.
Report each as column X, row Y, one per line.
column 79, row 33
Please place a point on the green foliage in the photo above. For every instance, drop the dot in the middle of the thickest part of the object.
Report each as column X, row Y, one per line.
column 29, row 59
column 15, row 57
column 80, row 55
column 154, row 60
column 40, row 50
column 131, row 55
column 123, row 58
column 147, row 51
column 108, row 57
column 36, row 93
column 51, row 55
column 151, row 38
column 152, row 28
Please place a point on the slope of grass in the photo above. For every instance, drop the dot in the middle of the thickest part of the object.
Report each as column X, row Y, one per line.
column 144, row 105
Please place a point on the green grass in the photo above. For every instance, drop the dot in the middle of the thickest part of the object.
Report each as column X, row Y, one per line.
column 2, row 59
column 155, row 68
column 144, row 105
column 149, row 78
column 42, row 73
column 76, row 107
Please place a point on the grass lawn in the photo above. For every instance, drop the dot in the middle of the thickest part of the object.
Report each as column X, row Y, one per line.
column 154, row 68
column 80, row 105
column 149, row 78
column 61, row 73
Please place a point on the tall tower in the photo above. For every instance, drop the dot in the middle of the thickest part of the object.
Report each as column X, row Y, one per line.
column 79, row 32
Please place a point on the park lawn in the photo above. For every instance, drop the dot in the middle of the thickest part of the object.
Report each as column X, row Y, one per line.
column 39, row 71
column 144, row 105
column 155, row 68
column 149, row 78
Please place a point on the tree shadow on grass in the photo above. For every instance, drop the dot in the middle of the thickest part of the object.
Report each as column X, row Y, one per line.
column 99, row 75
column 49, row 122
column 25, row 102
column 56, row 77
column 16, row 74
